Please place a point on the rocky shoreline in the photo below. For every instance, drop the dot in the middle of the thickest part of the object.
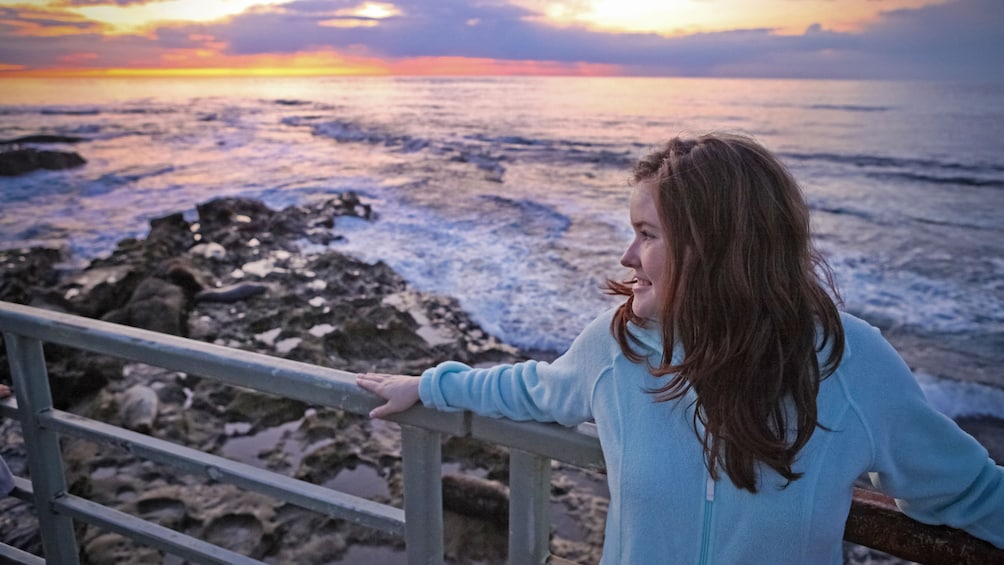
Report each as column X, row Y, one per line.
column 239, row 277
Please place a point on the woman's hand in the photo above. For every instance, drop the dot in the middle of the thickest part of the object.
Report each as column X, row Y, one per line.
column 400, row 392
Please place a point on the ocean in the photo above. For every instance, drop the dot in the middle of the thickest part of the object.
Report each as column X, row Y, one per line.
column 511, row 194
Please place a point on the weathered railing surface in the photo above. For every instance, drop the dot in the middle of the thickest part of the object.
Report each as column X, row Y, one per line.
column 532, row 446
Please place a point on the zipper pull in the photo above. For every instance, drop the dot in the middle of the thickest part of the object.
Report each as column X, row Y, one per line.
column 709, row 490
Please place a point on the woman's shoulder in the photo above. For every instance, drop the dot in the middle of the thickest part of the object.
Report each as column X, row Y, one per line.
column 855, row 325
column 869, row 360
column 599, row 327
column 596, row 342
column 862, row 338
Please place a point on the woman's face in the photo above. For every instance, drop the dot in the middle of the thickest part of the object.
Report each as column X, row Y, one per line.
column 647, row 254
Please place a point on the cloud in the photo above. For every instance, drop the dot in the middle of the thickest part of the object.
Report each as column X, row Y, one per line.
column 954, row 40
column 951, row 40
column 105, row 2
column 957, row 39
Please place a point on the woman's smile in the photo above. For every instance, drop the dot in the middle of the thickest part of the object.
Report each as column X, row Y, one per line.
column 647, row 254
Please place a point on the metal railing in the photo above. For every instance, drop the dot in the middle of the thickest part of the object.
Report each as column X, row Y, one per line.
column 532, row 446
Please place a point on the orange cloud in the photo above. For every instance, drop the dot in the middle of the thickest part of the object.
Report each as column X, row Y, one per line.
column 207, row 62
column 75, row 58
column 348, row 23
column 33, row 22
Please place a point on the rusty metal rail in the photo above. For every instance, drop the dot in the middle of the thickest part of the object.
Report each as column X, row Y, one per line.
column 876, row 522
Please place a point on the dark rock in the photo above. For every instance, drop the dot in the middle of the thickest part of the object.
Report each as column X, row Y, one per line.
column 138, row 408
column 155, row 305
column 378, row 332
column 476, row 497
column 231, row 293
column 264, row 410
column 76, row 375
column 243, row 533
column 99, row 290
column 25, row 273
column 19, row 525
column 182, row 273
column 21, row 161
column 169, row 237
column 41, row 139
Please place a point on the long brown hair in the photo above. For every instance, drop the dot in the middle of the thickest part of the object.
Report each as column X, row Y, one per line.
column 748, row 299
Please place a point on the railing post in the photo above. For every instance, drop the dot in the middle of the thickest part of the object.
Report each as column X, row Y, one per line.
column 421, row 452
column 529, row 508
column 45, row 461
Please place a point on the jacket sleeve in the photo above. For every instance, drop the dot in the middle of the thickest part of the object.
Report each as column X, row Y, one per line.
column 937, row 473
column 546, row 392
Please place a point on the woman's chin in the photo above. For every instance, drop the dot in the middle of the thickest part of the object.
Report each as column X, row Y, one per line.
column 643, row 311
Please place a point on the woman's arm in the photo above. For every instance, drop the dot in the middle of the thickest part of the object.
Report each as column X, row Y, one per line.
column 938, row 473
column 549, row 392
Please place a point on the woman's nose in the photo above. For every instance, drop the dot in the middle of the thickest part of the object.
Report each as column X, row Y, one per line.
column 630, row 257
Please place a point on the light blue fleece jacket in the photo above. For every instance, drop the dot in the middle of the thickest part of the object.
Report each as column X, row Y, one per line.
column 663, row 506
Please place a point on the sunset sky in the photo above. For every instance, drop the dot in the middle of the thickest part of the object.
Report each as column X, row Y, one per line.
column 908, row 39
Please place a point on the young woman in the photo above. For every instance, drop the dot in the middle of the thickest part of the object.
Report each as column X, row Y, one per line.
column 735, row 405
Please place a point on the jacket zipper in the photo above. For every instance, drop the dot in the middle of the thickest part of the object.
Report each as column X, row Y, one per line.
column 709, row 498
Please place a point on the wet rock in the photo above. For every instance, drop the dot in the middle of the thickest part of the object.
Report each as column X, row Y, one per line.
column 97, row 291
column 170, row 236
column 74, row 375
column 139, row 406
column 264, row 410
column 488, row 500
column 20, row 161
column 106, row 547
column 155, row 305
column 377, row 332
column 182, row 273
column 26, row 272
column 210, row 250
column 165, row 510
column 231, row 293
column 243, row 533
column 41, row 138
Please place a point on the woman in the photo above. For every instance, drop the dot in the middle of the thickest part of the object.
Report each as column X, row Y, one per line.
column 735, row 405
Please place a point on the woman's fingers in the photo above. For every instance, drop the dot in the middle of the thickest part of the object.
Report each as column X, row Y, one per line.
column 370, row 381
column 400, row 392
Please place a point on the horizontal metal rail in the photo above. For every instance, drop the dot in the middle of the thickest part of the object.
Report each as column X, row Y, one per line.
column 220, row 469
column 872, row 521
column 149, row 533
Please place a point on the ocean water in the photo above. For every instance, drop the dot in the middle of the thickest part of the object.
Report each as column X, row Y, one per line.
column 511, row 195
